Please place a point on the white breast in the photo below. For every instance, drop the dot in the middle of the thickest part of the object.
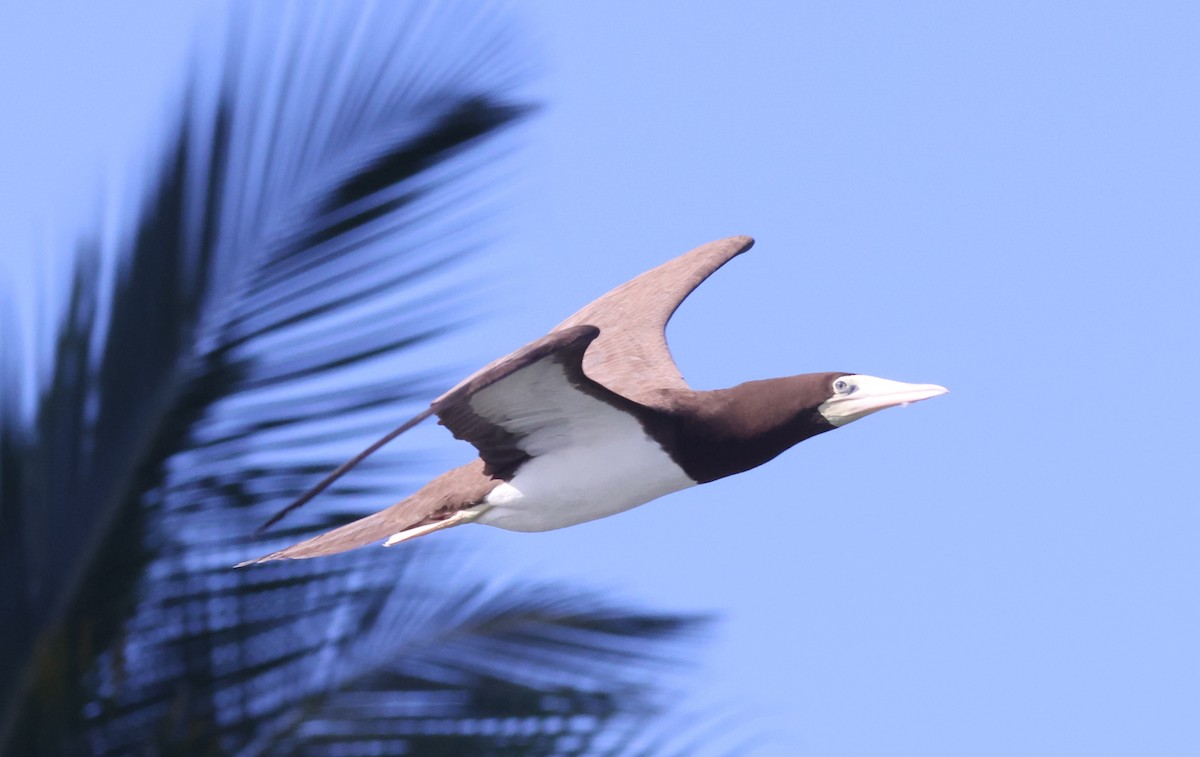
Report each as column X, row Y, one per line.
column 619, row 467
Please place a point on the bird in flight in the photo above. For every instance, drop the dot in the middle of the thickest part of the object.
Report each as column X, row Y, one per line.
column 594, row 418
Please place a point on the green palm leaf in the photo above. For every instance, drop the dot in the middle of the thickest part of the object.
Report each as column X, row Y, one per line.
column 298, row 241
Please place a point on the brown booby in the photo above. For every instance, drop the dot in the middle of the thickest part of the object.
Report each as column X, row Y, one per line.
column 594, row 419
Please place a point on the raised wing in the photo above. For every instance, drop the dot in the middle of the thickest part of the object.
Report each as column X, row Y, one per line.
column 534, row 401
column 628, row 356
column 631, row 357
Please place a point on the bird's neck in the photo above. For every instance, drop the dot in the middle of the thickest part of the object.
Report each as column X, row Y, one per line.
column 732, row 430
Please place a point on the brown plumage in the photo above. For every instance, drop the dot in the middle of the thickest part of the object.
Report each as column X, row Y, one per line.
column 621, row 340
column 594, row 418
column 436, row 500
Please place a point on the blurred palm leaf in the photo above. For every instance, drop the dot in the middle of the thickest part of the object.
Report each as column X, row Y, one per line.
column 296, row 245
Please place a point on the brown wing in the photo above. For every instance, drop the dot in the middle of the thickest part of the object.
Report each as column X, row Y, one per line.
column 534, row 401
column 631, row 356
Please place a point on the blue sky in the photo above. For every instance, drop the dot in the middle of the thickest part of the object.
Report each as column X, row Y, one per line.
column 1002, row 200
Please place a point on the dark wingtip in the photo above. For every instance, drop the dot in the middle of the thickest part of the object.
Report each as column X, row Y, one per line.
column 308, row 495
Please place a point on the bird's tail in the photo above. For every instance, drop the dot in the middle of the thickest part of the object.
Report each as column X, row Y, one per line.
column 451, row 499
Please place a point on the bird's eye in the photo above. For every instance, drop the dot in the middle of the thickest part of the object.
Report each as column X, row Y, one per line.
column 841, row 386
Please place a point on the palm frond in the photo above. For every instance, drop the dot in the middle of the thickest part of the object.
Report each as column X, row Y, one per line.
column 297, row 243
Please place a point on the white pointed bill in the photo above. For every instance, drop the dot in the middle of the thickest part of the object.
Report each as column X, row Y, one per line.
column 869, row 394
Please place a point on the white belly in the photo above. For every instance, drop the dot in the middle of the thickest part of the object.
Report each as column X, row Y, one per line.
column 578, row 484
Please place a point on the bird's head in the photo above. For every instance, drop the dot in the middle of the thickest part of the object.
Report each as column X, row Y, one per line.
column 728, row 431
column 852, row 396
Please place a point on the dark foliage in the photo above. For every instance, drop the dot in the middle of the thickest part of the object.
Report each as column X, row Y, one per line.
column 295, row 245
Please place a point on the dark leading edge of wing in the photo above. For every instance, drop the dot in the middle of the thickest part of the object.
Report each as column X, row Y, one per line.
column 498, row 444
column 534, row 401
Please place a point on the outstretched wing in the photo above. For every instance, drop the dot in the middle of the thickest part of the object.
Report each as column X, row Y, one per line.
column 536, row 400
column 631, row 357
column 533, row 401
column 622, row 357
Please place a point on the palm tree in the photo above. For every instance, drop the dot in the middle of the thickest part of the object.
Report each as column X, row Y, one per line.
column 297, row 241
